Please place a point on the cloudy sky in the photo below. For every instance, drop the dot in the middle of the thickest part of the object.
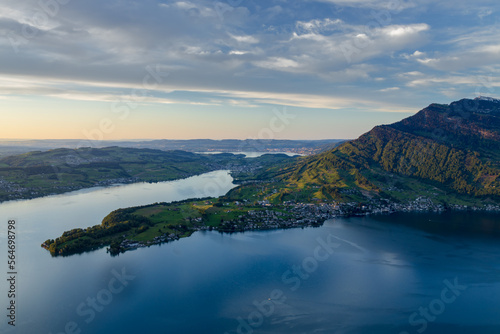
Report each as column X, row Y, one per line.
column 309, row 69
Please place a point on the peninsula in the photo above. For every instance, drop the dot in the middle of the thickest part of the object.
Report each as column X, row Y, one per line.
column 444, row 157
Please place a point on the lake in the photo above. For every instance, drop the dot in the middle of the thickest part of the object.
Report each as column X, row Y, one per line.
column 252, row 154
column 401, row 274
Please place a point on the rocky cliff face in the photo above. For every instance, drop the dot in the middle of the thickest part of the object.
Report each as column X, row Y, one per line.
column 455, row 147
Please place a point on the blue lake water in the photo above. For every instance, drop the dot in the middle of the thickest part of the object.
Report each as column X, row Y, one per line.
column 405, row 273
column 252, row 154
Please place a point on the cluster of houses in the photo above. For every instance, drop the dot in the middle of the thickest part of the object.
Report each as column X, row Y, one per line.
column 121, row 180
column 269, row 219
column 77, row 159
column 11, row 189
column 291, row 214
column 131, row 244
column 424, row 204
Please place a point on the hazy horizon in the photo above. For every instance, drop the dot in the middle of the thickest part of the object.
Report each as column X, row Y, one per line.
column 150, row 139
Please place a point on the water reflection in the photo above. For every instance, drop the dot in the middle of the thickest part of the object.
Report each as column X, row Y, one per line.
column 379, row 272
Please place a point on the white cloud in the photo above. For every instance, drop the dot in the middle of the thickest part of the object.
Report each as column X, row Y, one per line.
column 319, row 26
column 185, row 4
column 411, row 74
column 90, row 48
column 89, row 91
column 483, row 12
column 245, row 39
column 393, row 5
column 193, row 9
column 348, row 45
column 476, row 81
column 404, row 31
column 451, row 93
column 277, row 63
column 316, row 101
column 464, row 49
column 358, row 72
column 244, row 103
column 237, row 52
column 390, row 89
column 428, row 61
column 464, row 59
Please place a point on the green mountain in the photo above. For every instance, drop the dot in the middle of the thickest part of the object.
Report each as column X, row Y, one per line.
column 450, row 153
column 445, row 155
column 36, row 174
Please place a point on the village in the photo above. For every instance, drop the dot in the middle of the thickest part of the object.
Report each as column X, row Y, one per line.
column 294, row 215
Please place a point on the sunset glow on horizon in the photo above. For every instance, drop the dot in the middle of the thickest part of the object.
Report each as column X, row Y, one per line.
column 197, row 69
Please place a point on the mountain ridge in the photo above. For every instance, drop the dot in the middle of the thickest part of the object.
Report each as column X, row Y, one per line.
column 454, row 147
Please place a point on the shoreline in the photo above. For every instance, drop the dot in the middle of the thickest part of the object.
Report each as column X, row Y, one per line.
column 106, row 185
column 267, row 217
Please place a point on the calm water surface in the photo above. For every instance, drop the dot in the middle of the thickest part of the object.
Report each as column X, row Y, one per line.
column 252, row 154
column 383, row 274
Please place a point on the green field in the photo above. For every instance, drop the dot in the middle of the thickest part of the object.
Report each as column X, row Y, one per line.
column 37, row 174
column 164, row 220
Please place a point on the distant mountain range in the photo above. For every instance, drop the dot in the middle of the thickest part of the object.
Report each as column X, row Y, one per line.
column 442, row 150
column 12, row 147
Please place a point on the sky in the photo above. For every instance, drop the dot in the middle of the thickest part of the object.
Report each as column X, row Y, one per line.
column 274, row 69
